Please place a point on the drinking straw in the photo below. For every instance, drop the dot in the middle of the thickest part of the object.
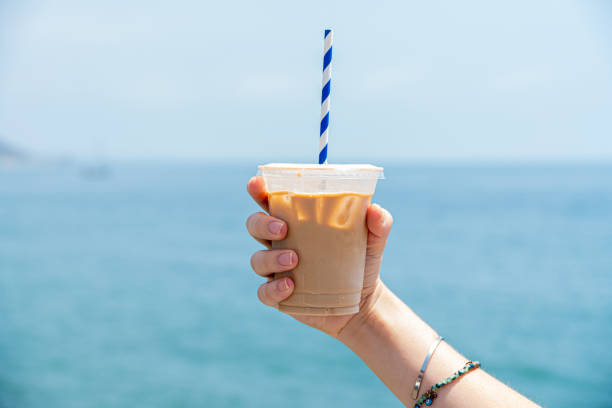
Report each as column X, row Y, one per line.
column 327, row 57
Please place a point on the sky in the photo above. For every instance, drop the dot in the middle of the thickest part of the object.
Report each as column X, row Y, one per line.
column 225, row 80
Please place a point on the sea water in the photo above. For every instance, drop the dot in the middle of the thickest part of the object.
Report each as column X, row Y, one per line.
column 136, row 289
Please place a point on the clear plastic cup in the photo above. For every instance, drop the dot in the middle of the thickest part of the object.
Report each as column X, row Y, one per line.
column 325, row 208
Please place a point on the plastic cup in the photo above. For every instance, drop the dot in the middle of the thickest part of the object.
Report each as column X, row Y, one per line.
column 324, row 207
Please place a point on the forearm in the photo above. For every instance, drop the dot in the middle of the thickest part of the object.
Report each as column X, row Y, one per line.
column 393, row 341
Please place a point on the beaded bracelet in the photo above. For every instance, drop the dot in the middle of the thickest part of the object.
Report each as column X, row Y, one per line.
column 429, row 396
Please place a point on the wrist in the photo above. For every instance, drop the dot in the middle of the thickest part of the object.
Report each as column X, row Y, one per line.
column 366, row 317
column 391, row 339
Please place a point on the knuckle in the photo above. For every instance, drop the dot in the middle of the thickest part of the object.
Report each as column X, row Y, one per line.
column 258, row 222
column 262, row 294
column 254, row 261
column 249, row 221
column 263, row 262
column 268, row 261
column 253, row 223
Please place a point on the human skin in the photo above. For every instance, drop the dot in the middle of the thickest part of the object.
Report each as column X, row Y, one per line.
column 386, row 334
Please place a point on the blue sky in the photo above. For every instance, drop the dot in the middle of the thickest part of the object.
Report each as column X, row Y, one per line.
column 222, row 80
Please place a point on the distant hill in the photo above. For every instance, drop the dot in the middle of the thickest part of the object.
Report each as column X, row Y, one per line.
column 10, row 153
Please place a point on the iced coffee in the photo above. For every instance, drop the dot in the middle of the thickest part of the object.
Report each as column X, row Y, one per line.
column 325, row 209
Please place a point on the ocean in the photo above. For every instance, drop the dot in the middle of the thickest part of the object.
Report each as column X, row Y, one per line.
column 136, row 290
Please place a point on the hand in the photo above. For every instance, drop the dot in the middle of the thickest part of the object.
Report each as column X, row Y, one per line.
column 265, row 228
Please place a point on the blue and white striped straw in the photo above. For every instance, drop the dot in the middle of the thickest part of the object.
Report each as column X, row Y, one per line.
column 327, row 57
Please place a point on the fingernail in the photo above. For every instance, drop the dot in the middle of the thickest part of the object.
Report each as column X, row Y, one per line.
column 275, row 227
column 282, row 284
column 286, row 258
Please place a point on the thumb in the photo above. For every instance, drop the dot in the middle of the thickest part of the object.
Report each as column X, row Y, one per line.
column 379, row 223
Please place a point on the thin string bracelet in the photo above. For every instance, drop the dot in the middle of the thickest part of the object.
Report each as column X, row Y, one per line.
column 428, row 398
column 417, row 384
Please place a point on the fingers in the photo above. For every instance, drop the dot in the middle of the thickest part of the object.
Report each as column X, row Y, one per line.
column 273, row 292
column 264, row 227
column 265, row 263
column 379, row 222
column 257, row 189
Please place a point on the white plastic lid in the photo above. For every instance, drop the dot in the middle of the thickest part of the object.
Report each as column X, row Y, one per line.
column 335, row 171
